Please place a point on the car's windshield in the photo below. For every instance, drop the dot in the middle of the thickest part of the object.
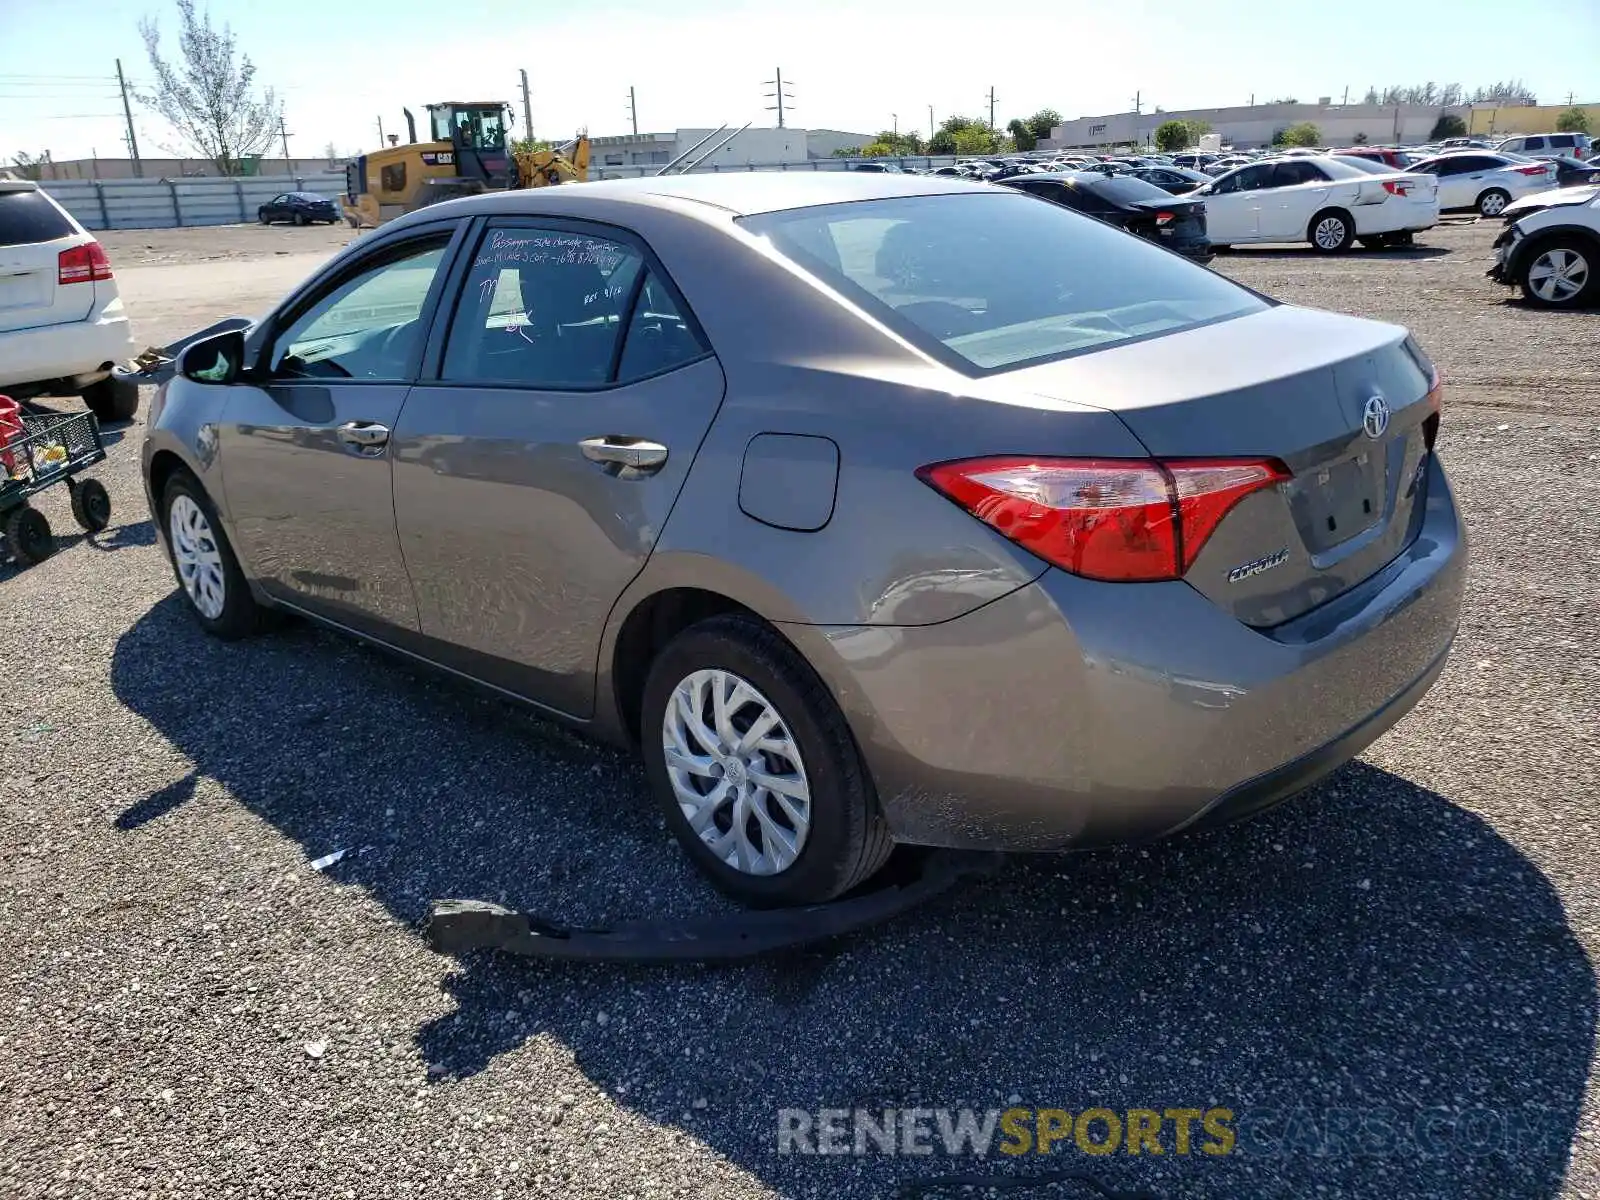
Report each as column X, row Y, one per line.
column 999, row 280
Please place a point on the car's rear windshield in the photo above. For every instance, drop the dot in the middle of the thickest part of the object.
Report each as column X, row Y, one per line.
column 1123, row 189
column 1001, row 279
column 27, row 217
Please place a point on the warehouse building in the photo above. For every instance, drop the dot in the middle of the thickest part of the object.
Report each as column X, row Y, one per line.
column 1251, row 126
column 752, row 147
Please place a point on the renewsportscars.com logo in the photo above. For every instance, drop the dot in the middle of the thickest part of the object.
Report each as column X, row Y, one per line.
column 1012, row 1131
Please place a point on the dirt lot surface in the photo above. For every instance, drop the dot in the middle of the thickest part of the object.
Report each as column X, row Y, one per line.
column 187, row 1008
column 220, row 243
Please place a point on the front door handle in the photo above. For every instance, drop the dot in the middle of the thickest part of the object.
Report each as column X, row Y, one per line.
column 366, row 438
column 625, row 457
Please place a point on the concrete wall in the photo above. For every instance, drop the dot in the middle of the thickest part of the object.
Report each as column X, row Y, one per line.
column 175, row 168
column 1249, row 126
column 165, row 204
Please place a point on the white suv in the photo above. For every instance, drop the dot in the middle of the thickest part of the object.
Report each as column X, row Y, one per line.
column 1550, row 248
column 62, row 325
column 1577, row 145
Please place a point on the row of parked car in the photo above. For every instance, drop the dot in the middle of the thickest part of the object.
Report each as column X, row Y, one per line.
column 1380, row 197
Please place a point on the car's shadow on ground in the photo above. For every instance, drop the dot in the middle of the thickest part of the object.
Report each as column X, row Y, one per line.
column 1350, row 974
column 1403, row 253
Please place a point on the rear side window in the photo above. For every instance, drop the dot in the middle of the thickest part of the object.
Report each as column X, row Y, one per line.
column 1125, row 189
column 1533, row 143
column 27, row 217
column 562, row 311
column 996, row 281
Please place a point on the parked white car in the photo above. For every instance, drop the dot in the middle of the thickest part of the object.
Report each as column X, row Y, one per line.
column 1329, row 204
column 62, row 324
column 1485, row 180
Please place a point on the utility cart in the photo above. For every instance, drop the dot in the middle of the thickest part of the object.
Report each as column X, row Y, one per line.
column 39, row 450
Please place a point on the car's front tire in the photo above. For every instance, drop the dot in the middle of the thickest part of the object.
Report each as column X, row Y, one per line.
column 756, row 768
column 112, row 398
column 263, row 218
column 1493, row 202
column 1331, row 231
column 208, row 572
column 301, row 219
column 1560, row 273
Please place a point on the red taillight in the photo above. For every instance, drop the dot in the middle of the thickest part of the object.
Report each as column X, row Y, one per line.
column 1165, row 218
column 1397, row 187
column 83, row 264
column 1532, row 170
column 1435, row 403
column 1121, row 520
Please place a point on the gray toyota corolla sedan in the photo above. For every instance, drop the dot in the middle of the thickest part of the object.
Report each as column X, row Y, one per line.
column 870, row 508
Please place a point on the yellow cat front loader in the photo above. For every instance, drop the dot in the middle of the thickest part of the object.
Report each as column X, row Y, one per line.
column 470, row 152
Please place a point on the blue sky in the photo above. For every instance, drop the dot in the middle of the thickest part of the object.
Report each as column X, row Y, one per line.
column 340, row 63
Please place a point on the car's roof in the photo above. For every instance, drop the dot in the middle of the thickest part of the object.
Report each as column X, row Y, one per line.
column 742, row 193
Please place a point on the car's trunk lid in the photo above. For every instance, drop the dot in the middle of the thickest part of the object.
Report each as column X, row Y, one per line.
column 1341, row 402
column 1173, row 219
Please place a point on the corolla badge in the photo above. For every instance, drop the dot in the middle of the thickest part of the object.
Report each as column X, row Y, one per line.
column 1246, row 570
column 1375, row 417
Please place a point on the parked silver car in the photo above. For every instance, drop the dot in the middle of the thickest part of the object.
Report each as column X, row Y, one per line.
column 870, row 508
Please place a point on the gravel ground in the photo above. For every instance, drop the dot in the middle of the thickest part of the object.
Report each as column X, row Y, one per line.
column 188, row 1009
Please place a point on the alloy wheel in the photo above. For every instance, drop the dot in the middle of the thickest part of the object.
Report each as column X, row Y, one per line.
column 736, row 772
column 199, row 561
column 1329, row 234
column 1558, row 275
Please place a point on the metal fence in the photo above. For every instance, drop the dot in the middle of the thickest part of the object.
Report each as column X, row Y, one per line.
column 166, row 203
column 169, row 203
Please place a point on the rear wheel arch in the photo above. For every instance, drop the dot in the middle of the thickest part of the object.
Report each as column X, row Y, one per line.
column 647, row 629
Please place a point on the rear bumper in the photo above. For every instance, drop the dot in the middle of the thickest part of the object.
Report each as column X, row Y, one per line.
column 1396, row 215
column 1072, row 713
column 52, row 352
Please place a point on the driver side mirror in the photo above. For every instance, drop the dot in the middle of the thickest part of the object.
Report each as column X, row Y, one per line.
column 218, row 359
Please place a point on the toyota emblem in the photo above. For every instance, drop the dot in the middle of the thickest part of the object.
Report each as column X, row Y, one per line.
column 1375, row 417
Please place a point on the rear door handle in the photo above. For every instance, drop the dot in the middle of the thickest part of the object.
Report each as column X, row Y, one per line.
column 625, row 457
column 366, row 438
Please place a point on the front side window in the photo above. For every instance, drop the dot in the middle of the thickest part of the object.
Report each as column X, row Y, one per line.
column 1288, row 174
column 558, row 310
column 997, row 281
column 368, row 327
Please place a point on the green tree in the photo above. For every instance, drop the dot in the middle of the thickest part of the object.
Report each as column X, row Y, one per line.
column 1303, row 134
column 964, row 135
column 1043, row 123
column 208, row 95
column 1573, row 120
column 1021, row 134
column 1447, row 126
column 30, row 166
column 1172, row 135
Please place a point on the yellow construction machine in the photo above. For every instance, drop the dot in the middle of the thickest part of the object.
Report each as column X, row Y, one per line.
column 470, row 152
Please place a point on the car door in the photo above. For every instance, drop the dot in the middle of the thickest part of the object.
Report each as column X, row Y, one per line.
column 278, row 207
column 305, row 438
column 1233, row 204
column 1461, row 179
column 533, row 475
column 1299, row 189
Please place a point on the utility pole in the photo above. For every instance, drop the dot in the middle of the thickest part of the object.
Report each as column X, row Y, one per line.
column 1569, row 99
column 284, row 134
column 991, row 108
column 527, row 109
column 1346, row 99
column 381, row 140
column 1138, row 107
column 778, row 94
column 127, row 112
column 932, row 132
column 633, row 111
column 895, row 117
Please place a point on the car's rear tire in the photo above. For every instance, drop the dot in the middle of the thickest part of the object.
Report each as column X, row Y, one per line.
column 1331, row 231
column 1560, row 273
column 814, row 831
column 1493, row 202
column 28, row 534
column 112, row 398
column 91, row 505
column 208, row 573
